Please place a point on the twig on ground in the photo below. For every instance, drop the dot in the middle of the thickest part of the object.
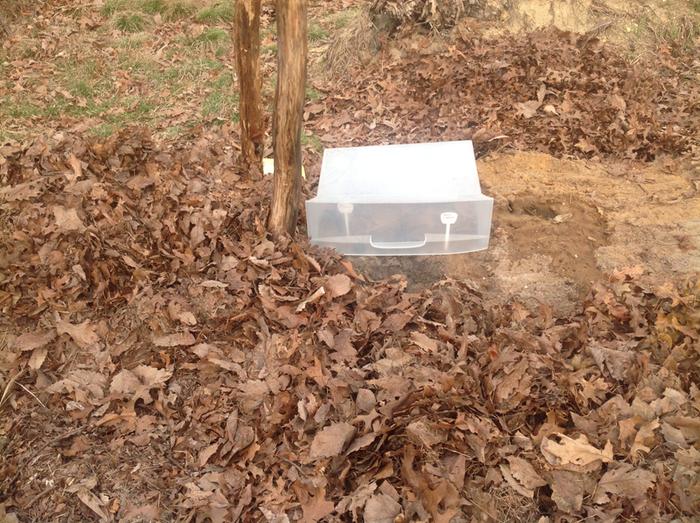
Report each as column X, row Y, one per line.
column 8, row 388
column 32, row 394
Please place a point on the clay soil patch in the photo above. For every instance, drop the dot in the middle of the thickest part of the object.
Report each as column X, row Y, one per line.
column 560, row 225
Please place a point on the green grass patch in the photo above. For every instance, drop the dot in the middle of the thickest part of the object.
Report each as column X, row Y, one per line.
column 138, row 112
column 20, row 109
column 105, row 130
column 87, row 80
column 130, row 22
column 212, row 36
column 270, row 48
column 220, row 105
column 153, row 7
column 342, row 19
column 7, row 136
column 83, row 89
column 133, row 41
column 134, row 63
column 174, row 131
column 222, row 101
column 190, row 70
column 27, row 48
column 180, row 10
column 317, row 33
column 142, row 109
column 113, row 6
column 167, row 9
column 58, row 107
column 313, row 141
column 312, row 94
column 218, row 12
column 679, row 33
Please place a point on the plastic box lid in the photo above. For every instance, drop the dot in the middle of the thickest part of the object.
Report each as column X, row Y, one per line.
column 400, row 199
column 424, row 172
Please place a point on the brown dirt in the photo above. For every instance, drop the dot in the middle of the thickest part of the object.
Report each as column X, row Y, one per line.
column 636, row 26
column 560, row 225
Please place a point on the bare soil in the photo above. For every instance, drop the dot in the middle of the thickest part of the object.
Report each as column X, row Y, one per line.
column 560, row 225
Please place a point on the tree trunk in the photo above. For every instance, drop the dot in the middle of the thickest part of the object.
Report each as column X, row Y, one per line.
column 289, row 105
column 247, row 45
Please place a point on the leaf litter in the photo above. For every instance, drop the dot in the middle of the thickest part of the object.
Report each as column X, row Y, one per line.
column 262, row 398
column 551, row 91
column 188, row 368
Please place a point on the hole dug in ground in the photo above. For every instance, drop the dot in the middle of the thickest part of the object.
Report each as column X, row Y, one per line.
column 542, row 249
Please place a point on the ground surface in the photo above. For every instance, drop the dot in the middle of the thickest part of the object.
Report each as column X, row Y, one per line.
column 161, row 360
column 560, row 225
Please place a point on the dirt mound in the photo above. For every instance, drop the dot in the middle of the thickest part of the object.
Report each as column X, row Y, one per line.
column 637, row 28
column 435, row 14
column 162, row 360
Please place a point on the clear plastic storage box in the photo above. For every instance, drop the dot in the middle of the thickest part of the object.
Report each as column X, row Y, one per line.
column 400, row 200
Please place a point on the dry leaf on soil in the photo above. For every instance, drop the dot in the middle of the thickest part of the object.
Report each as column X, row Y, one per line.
column 338, row 285
column 568, row 489
column 578, row 452
column 77, row 168
column 617, row 362
column 521, row 475
column 627, row 481
column 331, row 440
column 67, row 219
column 423, row 432
column 93, row 503
column 83, row 333
column 174, row 340
column 424, row 342
column 32, row 340
column 527, row 109
column 645, row 437
column 380, row 508
column 317, row 507
column 36, row 360
column 138, row 382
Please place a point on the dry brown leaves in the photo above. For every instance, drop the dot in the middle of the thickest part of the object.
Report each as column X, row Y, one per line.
column 560, row 93
column 173, row 364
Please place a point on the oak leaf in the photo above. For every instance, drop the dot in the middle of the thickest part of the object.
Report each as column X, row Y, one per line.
column 138, row 382
column 578, row 452
column 82, row 333
column 626, row 481
column 67, row 219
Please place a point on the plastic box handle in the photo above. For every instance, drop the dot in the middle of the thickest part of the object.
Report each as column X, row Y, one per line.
column 398, row 245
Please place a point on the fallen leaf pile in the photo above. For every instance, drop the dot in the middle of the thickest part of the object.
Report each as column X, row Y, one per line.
column 556, row 92
column 164, row 361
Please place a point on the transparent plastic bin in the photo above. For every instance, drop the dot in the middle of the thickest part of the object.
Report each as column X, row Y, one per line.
column 398, row 200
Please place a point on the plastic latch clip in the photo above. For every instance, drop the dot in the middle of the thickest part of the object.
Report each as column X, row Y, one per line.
column 346, row 210
column 448, row 219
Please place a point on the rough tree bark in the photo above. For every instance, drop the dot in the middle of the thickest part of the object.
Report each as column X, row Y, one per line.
column 247, row 47
column 289, row 104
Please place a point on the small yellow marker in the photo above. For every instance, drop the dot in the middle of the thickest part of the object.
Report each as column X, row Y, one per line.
column 268, row 166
